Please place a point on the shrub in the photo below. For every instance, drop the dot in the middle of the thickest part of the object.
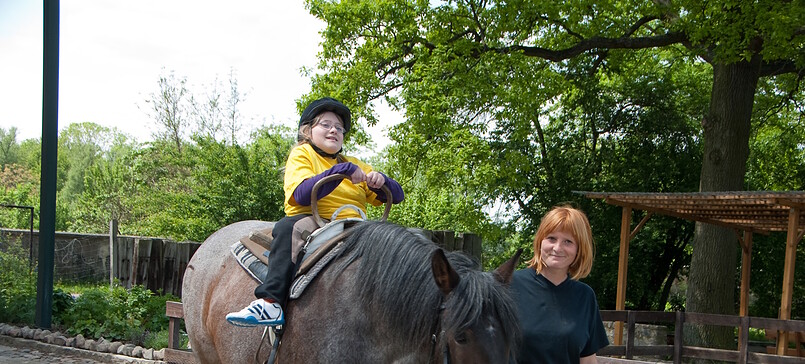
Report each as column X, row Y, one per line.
column 17, row 287
column 134, row 315
column 117, row 314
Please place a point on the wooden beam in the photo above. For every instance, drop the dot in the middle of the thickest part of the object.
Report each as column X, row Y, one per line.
column 788, row 276
column 798, row 203
column 640, row 225
column 623, row 261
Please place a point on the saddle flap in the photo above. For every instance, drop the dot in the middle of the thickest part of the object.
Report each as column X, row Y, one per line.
column 258, row 242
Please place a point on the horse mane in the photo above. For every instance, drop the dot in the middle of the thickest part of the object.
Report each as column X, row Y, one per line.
column 395, row 275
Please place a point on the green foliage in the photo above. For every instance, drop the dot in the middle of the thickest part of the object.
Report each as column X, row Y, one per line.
column 756, row 334
column 159, row 340
column 135, row 315
column 61, row 302
column 777, row 156
column 9, row 149
column 189, row 196
column 767, row 277
column 17, row 286
column 18, row 187
column 116, row 313
column 732, row 28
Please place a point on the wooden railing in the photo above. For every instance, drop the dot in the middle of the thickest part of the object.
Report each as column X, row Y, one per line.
column 616, row 354
column 797, row 338
column 174, row 353
column 679, row 350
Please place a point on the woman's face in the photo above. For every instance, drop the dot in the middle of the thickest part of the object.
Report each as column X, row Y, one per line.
column 328, row 134
column 559, row 250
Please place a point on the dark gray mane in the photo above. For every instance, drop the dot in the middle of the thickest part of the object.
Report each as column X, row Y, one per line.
column 396, row 277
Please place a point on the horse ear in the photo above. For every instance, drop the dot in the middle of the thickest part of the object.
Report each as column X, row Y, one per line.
column 444, row 274
column 504, row 273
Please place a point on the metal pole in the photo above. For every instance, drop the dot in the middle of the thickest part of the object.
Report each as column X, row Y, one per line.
column 50, row 126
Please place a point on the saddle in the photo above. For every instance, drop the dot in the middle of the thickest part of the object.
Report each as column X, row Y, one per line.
column 318, row 247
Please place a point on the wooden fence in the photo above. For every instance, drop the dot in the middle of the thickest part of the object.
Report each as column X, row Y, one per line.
column 678, row 350
column 450, row 240
column 155, row 263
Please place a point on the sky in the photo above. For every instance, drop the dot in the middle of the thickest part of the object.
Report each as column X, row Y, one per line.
column 113, row 52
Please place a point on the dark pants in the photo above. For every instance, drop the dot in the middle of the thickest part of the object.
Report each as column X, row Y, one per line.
column 280, row 267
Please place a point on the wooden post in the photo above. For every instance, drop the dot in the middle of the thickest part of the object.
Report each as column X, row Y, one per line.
column 623, row 261
column 133, row 272
column 475, row 242
column 448, row 240
column 743, row 340
column 788, row 276
column 746, row 264
column 678, row 339
column 630, row 328
column 143, row 256
column 459, row 242
column 174, row 311
column 112, row 250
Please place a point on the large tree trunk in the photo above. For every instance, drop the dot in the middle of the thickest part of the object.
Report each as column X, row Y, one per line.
column 711, row 283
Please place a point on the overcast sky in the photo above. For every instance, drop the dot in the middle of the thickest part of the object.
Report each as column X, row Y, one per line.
column 113, row 52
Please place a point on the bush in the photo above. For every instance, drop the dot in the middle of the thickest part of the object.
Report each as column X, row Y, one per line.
column 117, row 314
column 134, row 315
column 17, row 287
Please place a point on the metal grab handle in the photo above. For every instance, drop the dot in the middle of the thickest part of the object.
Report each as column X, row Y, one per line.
column 348, row 206
column 314, row 200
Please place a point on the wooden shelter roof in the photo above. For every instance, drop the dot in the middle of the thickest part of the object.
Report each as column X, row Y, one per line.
column 756, row 211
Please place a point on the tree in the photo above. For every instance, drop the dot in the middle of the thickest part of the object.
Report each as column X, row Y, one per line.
column 232, row 116
column 8, row 147
column 84, row 150
column 169, row 110
column 470, row 60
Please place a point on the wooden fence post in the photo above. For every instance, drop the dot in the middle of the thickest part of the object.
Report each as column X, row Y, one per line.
column 112, row 250
column 133, row 267
column 678, row 339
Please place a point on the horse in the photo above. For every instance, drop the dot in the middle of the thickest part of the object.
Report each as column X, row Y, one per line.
column 390, row 295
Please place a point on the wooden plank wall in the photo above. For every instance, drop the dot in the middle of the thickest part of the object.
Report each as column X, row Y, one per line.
column 156, row 264
column 453, row 241
column 159, row 264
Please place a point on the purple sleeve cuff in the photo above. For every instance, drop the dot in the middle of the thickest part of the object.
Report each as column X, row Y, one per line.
column 397, row 194
column 304, row 190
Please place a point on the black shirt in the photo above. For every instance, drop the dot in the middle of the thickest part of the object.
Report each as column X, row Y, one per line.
column 560, row 324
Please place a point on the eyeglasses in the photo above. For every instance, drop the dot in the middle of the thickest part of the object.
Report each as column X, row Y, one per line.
column 328, row 125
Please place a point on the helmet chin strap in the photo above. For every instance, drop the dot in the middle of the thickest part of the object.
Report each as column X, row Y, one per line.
column 323, row 153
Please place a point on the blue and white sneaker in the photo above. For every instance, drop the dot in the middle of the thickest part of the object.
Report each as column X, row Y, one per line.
column 259, row 312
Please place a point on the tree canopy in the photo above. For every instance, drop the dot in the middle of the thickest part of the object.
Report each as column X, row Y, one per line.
column 505, row 70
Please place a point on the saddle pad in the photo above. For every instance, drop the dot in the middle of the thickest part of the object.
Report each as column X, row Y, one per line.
column 302, row 280
column 250, row 263
column 258, row 270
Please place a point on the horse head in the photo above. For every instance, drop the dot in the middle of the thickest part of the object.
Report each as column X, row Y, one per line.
column 476, row 322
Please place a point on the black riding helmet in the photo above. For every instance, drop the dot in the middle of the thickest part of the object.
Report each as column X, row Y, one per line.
column 326, row 104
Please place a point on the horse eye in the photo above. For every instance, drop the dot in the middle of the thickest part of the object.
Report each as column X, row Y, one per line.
column 461, row 338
